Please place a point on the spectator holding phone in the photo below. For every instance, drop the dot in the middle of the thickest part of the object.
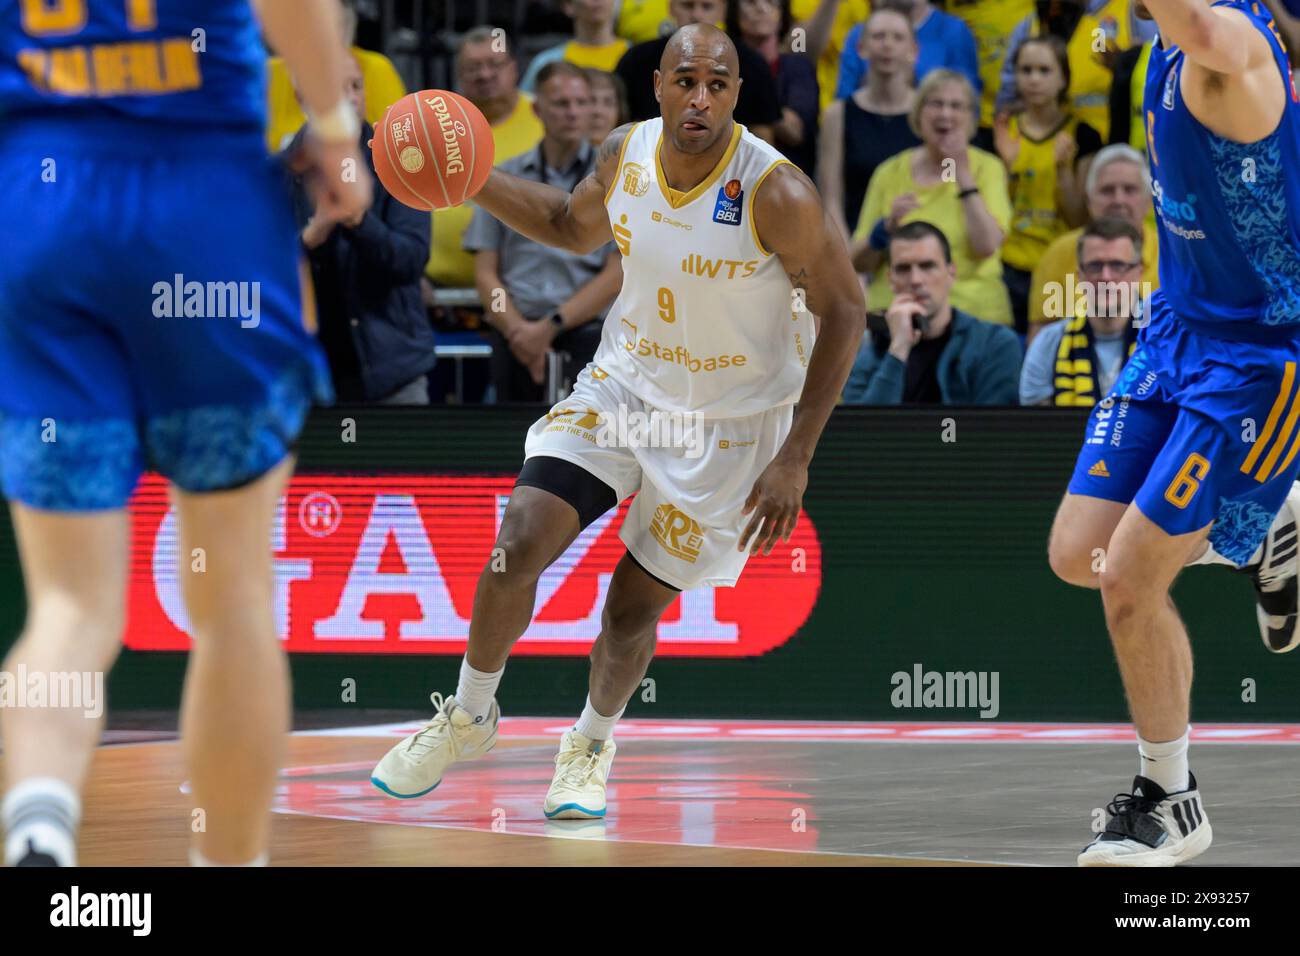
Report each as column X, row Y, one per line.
column 930, row 353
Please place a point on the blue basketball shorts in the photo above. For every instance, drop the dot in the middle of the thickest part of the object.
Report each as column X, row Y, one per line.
column 150, row 312
column 1197, row 430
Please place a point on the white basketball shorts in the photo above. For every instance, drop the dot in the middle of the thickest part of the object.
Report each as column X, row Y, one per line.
column 691, row 475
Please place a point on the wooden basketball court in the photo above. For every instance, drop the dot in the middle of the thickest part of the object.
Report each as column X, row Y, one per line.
column 720, row 793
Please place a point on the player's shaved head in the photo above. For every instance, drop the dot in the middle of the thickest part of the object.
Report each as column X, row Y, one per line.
column 697, row 83
column 699, row 41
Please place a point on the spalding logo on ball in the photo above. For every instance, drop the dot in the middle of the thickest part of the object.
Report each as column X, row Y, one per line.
column 433, row 149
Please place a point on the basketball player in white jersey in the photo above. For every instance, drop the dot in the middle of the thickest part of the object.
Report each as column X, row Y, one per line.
column 727, row 251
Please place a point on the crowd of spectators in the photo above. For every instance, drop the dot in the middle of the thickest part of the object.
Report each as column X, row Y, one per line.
column 983, row 159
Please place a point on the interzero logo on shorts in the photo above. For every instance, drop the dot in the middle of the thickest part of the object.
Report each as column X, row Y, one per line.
column 389, row 564
column 182, row 299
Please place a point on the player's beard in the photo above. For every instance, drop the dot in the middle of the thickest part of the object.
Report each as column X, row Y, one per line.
column 1141, row 11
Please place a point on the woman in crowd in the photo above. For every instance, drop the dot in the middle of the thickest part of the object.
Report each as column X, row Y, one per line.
column 947, row 182
column 861, row 132
column 1046, row 150
column 764, row 26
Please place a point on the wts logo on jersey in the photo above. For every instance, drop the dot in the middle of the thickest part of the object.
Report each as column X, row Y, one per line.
column 728, row 207
column 698, row 265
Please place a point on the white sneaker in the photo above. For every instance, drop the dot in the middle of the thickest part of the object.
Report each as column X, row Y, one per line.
column 1275, row 580
column 578, row 787
column 415, row 766
column 1149, row 827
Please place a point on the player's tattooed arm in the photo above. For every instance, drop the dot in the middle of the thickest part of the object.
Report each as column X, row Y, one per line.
column 799, row 283
column 574, row 221
column 793, row 224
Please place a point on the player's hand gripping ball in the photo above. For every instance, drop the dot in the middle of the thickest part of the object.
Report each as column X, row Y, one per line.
column 433, row 149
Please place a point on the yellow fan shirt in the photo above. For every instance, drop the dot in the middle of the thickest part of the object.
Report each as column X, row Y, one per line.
column 1090, row 78
column 991, row 22
column 642, row 20
column 284, row 116
column 1035, row 219
column 978, row 290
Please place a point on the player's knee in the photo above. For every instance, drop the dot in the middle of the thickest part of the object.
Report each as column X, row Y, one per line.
column 1072, row 563
column 1124, row 596
column 629, row 624
column 243, row 630
column 84, row 628
column 530, row 539
column 519, row 556
column 223, row 602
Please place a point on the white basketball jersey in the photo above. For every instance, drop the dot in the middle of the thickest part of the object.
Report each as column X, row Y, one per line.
column 706, row 320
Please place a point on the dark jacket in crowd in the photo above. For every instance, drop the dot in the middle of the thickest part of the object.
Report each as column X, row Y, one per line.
column 373, row 325
column 796, row 86
column 979, row 366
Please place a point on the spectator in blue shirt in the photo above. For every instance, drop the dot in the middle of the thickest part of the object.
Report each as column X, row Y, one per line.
column 942, row 40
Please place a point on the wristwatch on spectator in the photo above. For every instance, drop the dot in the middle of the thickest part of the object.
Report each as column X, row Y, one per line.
column 557, row 321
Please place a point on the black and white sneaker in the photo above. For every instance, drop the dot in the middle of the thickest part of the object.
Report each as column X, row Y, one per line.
column 1149, row 827
column 1274, row 578
column 34, row 857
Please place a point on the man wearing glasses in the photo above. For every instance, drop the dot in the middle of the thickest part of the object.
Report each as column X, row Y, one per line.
column 1117, row 186
column 1076, row 360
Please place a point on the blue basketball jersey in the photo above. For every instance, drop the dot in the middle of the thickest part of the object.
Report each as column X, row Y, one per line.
column 132, row 155
column 178, row 63
column 1229, row 213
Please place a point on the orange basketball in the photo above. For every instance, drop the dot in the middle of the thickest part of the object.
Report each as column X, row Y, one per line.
column 433, row 149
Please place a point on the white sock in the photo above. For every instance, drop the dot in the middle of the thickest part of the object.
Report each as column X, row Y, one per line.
column 593, row 725
column 1166, row 763
column 476, row 689
column 198, row 859
column 41, row 813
